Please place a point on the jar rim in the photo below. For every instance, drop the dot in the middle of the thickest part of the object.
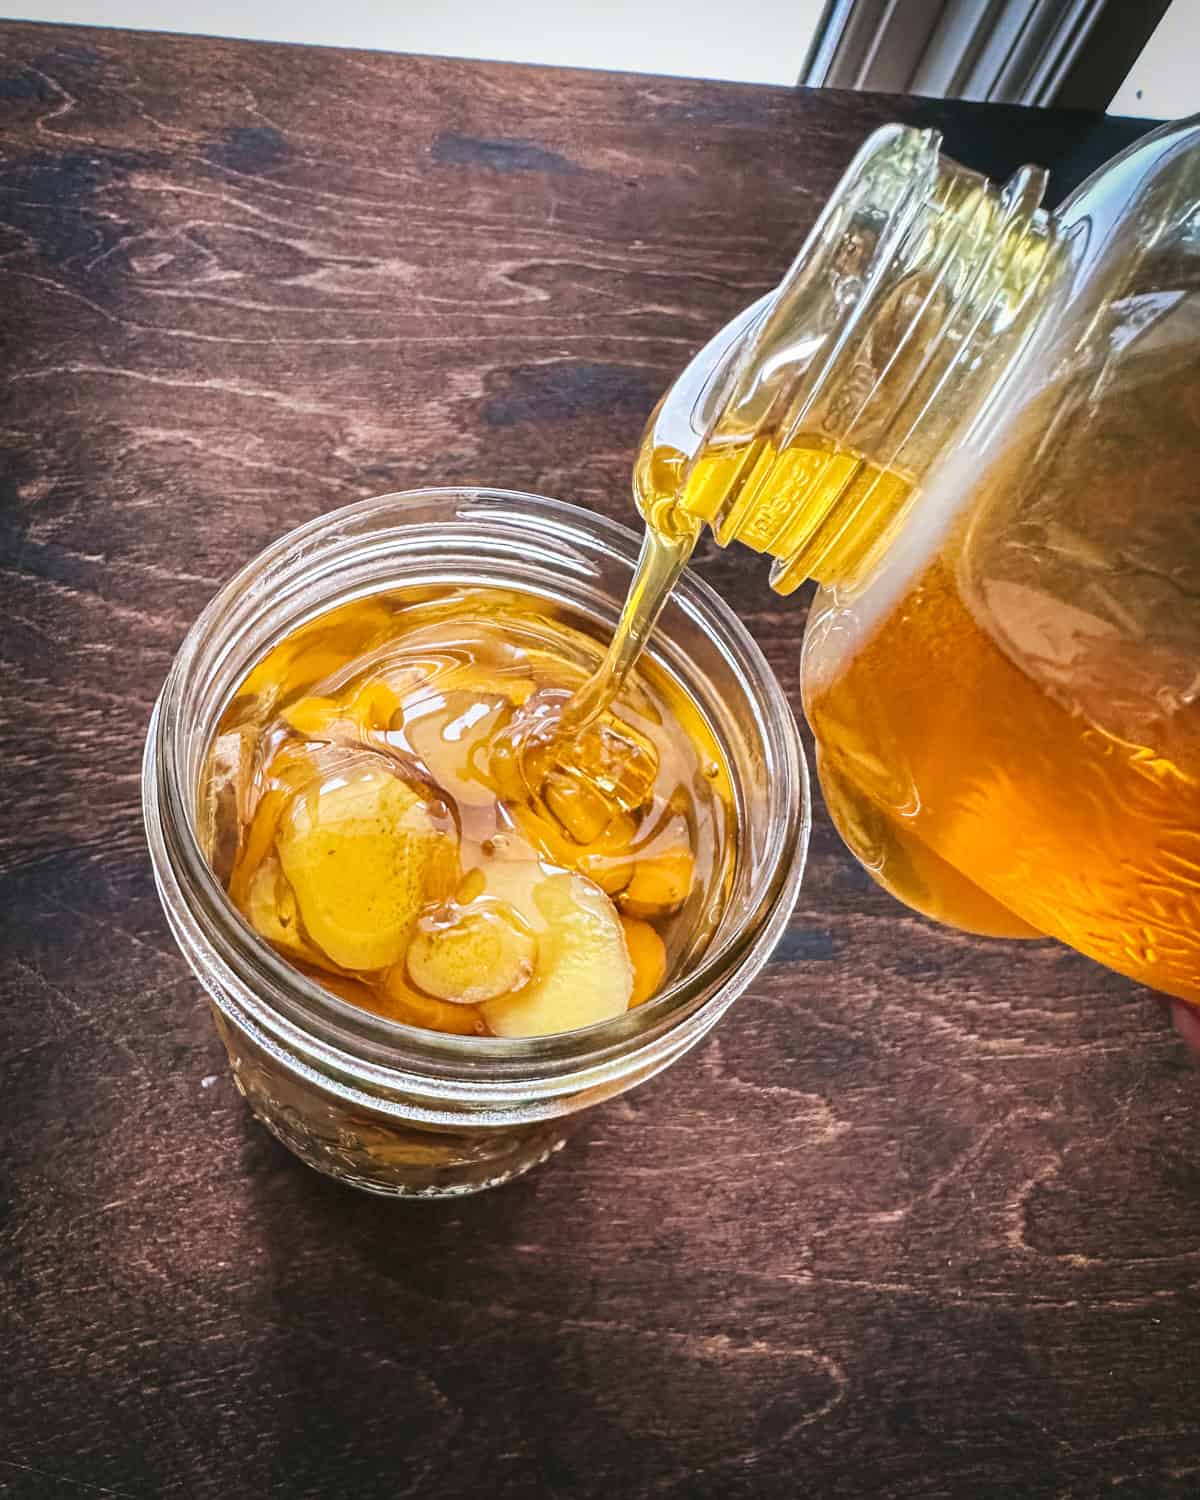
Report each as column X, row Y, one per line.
column 296, row 1010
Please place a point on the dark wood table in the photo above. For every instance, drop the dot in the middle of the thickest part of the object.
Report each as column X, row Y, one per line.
column 922, row 1219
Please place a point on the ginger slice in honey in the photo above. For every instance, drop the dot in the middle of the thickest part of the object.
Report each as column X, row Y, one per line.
column 270, row 908
column 353, row 991
column 468, row 954
column 346, row 718
column 258, row 843
column 315, row 717
column 401, row 1001
column 225, row 790
column 583, row 974
column 450, row 733
column 317, row 651
column 659, row 885
column 376, row 705
column 648, row 955
column 359, row 847
column 606, row 862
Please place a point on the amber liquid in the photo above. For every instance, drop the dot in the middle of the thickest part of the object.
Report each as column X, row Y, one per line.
column 1014, row 816
column 388, row 808
column 1010, row 741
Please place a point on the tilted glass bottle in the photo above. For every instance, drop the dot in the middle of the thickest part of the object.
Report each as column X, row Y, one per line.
column 977, row 426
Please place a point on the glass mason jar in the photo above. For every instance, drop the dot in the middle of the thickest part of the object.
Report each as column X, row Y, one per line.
column 392, row 1108
column 976, row 425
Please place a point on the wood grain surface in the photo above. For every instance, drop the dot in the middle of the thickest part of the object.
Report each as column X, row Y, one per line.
column 920, row 1220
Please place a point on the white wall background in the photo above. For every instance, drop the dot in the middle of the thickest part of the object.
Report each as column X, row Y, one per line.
column 1165, row 81
column 755, row 41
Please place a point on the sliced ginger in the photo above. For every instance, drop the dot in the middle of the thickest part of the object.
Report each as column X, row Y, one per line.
column 472, row 953
column 317, row 650
column 583, row 973
column 353, row 991
column 660, row 884
column 260, row 841
column 450, row 733
column 315, row 717
column 222, row 806
column 271, row 909
column 369, row 711
column 403, row 1002
column 359, row 851
column 648, row 955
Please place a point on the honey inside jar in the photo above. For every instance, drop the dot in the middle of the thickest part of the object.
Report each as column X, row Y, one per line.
column 388, row 805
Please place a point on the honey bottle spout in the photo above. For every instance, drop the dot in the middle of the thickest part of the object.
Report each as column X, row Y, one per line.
column 803, row 428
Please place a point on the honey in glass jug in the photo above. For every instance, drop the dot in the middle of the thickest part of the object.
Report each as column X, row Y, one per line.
column 976, row 425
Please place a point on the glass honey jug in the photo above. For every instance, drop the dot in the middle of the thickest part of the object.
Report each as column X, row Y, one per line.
column 976, row 425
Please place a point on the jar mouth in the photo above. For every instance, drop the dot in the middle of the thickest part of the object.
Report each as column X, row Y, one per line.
column 544, row 547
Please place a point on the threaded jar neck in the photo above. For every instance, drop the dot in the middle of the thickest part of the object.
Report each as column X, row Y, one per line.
column 807, row 434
